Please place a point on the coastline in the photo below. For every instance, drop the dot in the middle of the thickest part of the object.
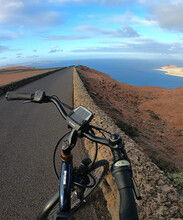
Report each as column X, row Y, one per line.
column 137, row 72
column 172, row 70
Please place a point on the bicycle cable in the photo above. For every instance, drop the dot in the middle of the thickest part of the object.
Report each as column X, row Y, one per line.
column 87, row 186
column 96, row 145
column 96, row 149
column 65, row 105
column 54, row 153
column 100, row 129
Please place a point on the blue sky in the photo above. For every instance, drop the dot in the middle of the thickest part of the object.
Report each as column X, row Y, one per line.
column 40, row 31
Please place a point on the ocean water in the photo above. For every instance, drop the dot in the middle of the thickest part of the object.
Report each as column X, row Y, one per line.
column 136, row 72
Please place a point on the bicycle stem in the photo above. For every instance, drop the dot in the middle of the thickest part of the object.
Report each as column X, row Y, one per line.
column 69, row 142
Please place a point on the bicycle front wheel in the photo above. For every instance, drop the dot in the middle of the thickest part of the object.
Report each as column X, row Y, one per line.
column 96, row 173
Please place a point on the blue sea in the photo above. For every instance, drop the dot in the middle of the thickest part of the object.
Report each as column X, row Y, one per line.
column 136, row 72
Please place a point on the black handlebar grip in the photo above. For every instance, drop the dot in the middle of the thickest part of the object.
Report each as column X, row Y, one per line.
column 122, row 173
column 127, row 208
column 10, row 96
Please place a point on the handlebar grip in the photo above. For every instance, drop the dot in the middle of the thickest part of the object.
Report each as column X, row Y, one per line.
column 127, row 208
column 122, row 173
column 10, row 96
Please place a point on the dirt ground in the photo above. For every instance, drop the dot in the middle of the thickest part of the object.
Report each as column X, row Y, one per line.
column 15, row 73
column 152, row 116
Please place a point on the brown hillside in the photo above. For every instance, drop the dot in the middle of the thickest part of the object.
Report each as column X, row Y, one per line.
column 152, row 116
column 16, row 73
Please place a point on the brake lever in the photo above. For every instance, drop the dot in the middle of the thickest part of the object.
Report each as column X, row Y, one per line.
column 136, row 190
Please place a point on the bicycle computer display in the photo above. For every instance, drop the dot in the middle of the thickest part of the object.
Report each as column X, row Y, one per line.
column 79, row 117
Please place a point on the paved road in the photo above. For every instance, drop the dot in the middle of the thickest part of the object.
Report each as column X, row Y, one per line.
column 28, row 134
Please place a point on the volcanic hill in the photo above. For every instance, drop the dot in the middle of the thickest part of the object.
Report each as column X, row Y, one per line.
column 152, row 116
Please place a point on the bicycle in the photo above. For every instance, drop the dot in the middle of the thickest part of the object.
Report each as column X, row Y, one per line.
column 77, row 183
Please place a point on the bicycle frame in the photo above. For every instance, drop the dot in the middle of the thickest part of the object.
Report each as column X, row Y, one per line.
column 65, row 187
column 65, row 191
column 66, row 177
column 62, row 196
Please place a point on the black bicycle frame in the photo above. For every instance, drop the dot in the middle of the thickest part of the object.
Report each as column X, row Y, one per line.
column 65, row 192
column 65, row 187
column 66, row 177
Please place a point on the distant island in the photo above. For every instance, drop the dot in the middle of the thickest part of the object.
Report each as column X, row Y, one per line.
column 172, row 70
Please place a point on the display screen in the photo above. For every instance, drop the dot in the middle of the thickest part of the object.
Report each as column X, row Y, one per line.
column 81, row 115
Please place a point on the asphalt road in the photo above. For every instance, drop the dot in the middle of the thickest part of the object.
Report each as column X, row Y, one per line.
column 28, row 134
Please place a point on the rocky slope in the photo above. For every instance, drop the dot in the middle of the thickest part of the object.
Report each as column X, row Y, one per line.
column 152, row 116
column 160, row 199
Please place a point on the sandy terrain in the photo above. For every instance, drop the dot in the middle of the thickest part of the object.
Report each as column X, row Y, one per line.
column 16, row 73
column 172, row 70
column 152, row 116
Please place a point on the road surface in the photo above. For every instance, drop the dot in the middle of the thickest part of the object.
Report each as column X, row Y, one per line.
column 28, row 134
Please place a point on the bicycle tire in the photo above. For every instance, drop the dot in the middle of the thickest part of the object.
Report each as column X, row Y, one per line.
column 99, row 169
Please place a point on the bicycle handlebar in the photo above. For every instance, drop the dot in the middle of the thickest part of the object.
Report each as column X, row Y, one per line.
column 96, row 139
column 125, row 185
column 59, row 106
column 37, row 97
column 121, row 169
column 10, row 96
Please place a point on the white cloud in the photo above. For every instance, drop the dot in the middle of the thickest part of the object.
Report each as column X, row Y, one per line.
column 9, row 35
column 88, row 1
column 172, row 48
column 139, row 45
column 9, row 8
column 43, row 18
column 54, row 49
column 170, row 16
column 125, row 31
column 3, row 49
column 128, row 32
column 30, row 57
column 168, row 13
column 65, row 37
column 33, row 13
column 130, row 18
